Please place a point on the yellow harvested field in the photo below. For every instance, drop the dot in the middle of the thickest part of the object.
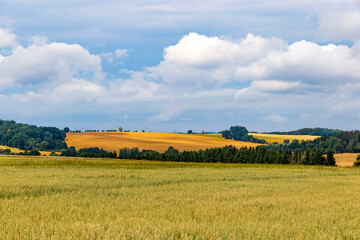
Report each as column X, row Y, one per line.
column 345, row 159
column 271, row 138
column 16, row 150
column 150, row 141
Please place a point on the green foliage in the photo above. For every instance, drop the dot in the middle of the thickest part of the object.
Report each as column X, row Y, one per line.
column 312, row 131
column 240, row 133
column 88, row 152
column 230, row 154
column 348, row 141
column 330, row 158
column 357, row 162
column 29, row 137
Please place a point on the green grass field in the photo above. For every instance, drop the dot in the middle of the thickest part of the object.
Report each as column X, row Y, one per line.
column 65, row 198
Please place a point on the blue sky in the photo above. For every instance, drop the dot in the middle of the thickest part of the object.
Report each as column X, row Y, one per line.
column 179, row 65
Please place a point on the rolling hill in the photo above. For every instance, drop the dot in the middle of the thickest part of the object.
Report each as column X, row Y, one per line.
column 113, row 141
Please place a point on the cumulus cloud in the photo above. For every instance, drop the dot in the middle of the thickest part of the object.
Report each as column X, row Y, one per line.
column 199, row 78
column 306, row 61
column 42, row 63
column 7, row 39
column 200, row 61
column 201, row 51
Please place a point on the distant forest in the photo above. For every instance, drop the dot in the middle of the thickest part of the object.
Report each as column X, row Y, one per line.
column 331, row 140
column 347, row 141
column 311, row 131
column 228, row 154
column 30, row 137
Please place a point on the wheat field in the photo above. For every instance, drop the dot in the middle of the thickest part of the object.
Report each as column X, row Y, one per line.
column 74, row 198
column 271, row 138
column 16, row 150
column 345, row 159
column 150, row 141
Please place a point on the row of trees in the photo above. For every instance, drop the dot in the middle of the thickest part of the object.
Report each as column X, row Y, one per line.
column 30, row 137
column 230, row 154
column 312, row 131
column 348, row 141
column 331, row 139
column 27, row 153
column 87, row 152
column 94, row 131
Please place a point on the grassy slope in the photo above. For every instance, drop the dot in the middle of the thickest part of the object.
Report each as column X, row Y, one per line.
column 69, row 198
column 271, row 138
column 150, row 141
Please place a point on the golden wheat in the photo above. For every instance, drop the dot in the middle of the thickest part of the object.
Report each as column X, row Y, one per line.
column 150, row 141
column 70, row 198
column 271, row 138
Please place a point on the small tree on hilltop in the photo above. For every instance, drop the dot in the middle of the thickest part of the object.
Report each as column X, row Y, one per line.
column 120, row 129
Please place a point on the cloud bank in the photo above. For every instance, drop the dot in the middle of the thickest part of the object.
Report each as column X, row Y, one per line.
column 202, row 81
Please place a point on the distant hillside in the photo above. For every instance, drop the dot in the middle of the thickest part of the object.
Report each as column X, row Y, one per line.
column 311, row 131
column 347, row 141
column 30, row 137
column 113, row 141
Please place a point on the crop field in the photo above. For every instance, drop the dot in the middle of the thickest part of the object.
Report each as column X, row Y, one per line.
column 345, row 159
column 68, row 198
column 16, row 150
column 271, row 138
column 150, row 141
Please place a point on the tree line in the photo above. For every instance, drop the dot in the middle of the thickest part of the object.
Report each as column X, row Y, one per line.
column 347, row 141
column 26, row 153
column 86, row 152
column 311, row 131
column 30, row 137
column 230, row 154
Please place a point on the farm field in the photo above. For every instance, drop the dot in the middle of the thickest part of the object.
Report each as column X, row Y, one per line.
column 150, row 141
column 271, row 138
column 345, row 159
column 16, row 150
column 68, row 198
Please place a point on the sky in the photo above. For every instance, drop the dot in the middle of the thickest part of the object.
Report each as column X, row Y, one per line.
column 174, row 65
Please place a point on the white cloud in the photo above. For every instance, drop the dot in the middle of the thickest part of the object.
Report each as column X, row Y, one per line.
column 200, row 61
column 7, row 39
column 116, row 55
column 201, row 51
column 119, row 53
column 306, row 61
column 199, row 80
column 275, row 118
column 47, row 63
column 340, row 25
column 275, row 86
